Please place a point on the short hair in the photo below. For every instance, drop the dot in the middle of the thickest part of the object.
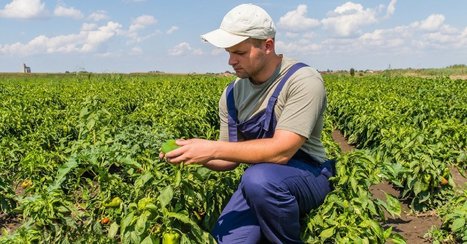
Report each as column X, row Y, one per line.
column 257, row 42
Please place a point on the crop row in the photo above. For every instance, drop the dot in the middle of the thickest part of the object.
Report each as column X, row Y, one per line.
column 417, row 126
column 79, row 156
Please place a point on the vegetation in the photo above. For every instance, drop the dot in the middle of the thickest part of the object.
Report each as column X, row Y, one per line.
column 352, row 72
column 416, row 127
column 458, row 70
column 79, row 157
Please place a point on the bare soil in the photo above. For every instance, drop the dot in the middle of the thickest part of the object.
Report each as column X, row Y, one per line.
column 411, row 226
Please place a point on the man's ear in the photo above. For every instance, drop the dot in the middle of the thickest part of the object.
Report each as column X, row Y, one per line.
column 269, row 45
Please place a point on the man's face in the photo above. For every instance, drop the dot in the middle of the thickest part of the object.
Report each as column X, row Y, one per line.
column 246, row 58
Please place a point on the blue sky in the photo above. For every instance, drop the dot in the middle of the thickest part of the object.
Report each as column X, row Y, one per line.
column 144, row 35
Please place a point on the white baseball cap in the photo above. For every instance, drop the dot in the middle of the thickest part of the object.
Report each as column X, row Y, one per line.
column 241, row 23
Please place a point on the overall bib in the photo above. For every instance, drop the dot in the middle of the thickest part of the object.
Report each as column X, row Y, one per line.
column 271, row 198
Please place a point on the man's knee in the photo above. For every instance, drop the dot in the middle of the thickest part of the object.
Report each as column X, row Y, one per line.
column 256, row 184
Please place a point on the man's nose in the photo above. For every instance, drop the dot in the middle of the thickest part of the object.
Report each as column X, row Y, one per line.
column 232, row 60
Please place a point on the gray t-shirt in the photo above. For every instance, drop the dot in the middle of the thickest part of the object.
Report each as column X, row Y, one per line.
column 299, row 108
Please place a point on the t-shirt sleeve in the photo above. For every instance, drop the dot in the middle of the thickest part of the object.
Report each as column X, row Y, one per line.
column 304, row 102
column 223, row 117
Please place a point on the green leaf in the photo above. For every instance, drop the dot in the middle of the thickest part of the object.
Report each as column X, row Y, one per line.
column 195, row 229
column 178, row 177
column 458, row 224
column 393, row 206
column 126, row 222
column 140, row 226
column 113, row 230
column 147, row 240
column 327, row 233
column 203, row 173
column 353, row 184
column 97, row 228
column 131, row 162
column 134, row 237
column 90, row 124
column 387, row 233
column 166, row 196
column 142, row 180
column 417, row 188
column 377, row 230
column 83, row 112
column 62, row 172
column 182, row 217
column 397, row 238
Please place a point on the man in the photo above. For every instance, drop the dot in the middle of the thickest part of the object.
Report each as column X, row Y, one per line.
column 271, row 118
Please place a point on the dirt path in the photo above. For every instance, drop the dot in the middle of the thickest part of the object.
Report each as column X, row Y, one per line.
column 412, row 227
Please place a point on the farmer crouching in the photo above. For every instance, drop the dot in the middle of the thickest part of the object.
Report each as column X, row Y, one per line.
column 271, row 118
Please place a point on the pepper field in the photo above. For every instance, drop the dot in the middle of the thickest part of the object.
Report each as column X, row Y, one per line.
column 79, row 158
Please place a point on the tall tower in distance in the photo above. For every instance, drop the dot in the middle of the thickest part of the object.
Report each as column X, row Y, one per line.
column 26, row 69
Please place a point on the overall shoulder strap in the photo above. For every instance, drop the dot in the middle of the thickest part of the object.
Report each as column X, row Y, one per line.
column 232, row 120
column 273, row 98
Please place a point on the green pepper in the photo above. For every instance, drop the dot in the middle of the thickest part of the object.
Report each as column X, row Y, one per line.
column 116, row 201
column 170, row 237
column 427, row 178
column 169, row 145
column 446, row 172
column 143, row 202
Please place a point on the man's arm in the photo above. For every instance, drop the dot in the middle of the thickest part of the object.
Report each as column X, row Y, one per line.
column 220, row 165
column 222, row 155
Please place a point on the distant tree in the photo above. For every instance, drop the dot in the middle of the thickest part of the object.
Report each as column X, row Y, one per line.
column 352, row 71
column 457, row 66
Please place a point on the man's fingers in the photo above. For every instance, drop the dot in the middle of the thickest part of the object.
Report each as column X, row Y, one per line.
column 174, row 153
column 182, row 142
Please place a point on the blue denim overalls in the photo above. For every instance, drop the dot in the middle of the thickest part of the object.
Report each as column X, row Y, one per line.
column 270, row 198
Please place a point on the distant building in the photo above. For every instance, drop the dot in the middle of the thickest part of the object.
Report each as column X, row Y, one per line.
column 26, row 69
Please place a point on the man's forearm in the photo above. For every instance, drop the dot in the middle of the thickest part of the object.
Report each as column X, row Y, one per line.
column 278, row 149
column 220, row 165
column 222, row 155
column 230, row 154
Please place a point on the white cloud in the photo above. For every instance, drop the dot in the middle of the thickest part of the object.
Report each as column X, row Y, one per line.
column 172, row 30
column 141, row 22
column 95, row 38
column 441, row 38
column 346, row 19
column 297, row 20
column 23, row 9
column 292, row 34
column 136, row 51
column 297, row 47
column 89, row 39
column 386, row 38
column 138, row 24
column 68, row 12
column 391, row 8
column 184, row 48
column 415, row 37
column 418, row 37
column 432, row 23
column 88, row 27
column 98, row 15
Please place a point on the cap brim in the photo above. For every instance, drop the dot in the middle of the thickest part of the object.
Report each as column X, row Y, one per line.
column 223, row 39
